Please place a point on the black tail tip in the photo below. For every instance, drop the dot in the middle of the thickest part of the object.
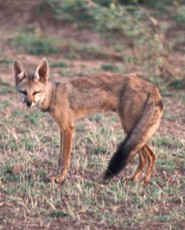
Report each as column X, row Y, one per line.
column 108, row 175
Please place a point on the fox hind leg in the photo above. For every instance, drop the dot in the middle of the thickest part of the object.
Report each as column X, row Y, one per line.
column 142, row 162
column 146, row 154
column 151, row 161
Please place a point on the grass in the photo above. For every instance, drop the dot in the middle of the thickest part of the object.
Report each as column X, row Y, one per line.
column 5, row 60
column 180, row 18
column 30, row 39
column 109, row 67
column 29, row 140
column 108, row 20
column 5, row 88
column 112, row 20
column 29, row 149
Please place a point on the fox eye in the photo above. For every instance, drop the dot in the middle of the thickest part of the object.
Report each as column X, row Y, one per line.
column 23, row 92
column 36, row 92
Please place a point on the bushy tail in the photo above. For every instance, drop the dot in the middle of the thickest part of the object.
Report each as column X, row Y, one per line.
column 118, row 161
column 136, row 139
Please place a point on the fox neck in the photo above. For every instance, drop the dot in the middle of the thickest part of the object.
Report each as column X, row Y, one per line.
column 45, row 105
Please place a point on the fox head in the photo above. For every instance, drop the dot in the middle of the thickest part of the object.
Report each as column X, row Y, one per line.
column 31, row 87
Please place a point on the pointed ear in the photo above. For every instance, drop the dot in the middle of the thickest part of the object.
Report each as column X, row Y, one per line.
column 42, row 71
column 19, row 71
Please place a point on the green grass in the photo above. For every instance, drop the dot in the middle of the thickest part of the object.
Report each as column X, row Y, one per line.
column 180, row 16
column 109, row 67
column 5, row 88
column 178, row 84
column 5, row 60
column 31, row 40
column 129, row 25
column 60, row 64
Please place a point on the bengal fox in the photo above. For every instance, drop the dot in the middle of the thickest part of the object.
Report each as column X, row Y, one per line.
column 137, row 102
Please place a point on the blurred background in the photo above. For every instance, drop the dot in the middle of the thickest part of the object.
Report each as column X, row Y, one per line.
column 145, row 36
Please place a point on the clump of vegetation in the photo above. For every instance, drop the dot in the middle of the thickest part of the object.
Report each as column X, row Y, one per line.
column 180, row 15
column 113, row 20
column 31, row 40
column 94, row 15
column 109, row 67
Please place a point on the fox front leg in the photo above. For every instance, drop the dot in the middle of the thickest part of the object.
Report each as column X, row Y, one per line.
column 64, row 155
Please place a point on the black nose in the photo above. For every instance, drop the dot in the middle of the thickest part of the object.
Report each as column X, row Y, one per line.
column 28, row 103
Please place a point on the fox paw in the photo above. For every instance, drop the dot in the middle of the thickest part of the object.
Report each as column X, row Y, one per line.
column 56, row 179
column 133, row 178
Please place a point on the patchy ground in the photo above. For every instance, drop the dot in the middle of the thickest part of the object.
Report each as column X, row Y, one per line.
column 29, row 139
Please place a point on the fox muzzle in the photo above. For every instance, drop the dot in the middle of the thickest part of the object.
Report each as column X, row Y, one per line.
column 28, row 103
